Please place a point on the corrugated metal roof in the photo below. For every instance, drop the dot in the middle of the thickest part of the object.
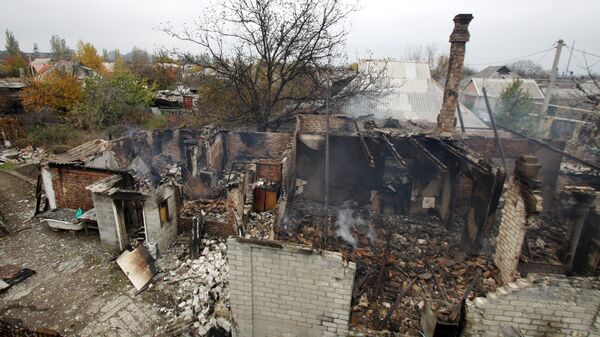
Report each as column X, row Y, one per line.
column 396, row 69
column 81, row 153
column 411, row 97
column 494, row 87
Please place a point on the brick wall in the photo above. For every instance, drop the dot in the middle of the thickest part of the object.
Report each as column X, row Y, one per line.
column 522, row 202
column 288, row 290
column 513, row 226
column 539, row 306
column 244, row 146
column 69, row 186
column 513, row 147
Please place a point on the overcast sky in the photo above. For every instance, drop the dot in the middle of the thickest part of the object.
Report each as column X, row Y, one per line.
column 501, row 30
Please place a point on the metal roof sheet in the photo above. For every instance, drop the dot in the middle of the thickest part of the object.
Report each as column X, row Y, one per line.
column 495, row 86
column 406, row 97
column 81, row 153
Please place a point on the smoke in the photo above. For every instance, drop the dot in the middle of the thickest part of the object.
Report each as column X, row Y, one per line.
column 346, row 222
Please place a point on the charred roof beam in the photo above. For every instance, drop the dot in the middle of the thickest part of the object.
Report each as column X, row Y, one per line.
column 470, row 162
column 364, row 145
column 392, row 149
column 428, row 154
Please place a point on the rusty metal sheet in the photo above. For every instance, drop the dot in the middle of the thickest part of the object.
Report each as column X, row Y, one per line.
column 138, row 265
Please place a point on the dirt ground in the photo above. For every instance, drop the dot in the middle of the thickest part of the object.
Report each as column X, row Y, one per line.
column 78, row 289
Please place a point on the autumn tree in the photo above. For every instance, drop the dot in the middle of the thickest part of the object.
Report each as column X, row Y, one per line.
column 60, row 51
column 107, row 100
column 120, row 64
column 515, row 109
column 275, row 55
column 55, row 90
column 88, row 56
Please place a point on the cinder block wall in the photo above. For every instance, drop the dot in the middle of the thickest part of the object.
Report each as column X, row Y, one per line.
column 105, row 214
column 288, row 291
column 161, row 234
column 540, row 306
column 513, row 226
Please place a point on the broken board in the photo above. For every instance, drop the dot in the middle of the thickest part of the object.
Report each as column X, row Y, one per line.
column 138, row 265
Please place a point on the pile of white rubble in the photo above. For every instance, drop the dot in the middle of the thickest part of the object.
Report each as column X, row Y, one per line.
column 202, row 289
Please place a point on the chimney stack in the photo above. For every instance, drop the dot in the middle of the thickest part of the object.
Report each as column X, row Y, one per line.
column 446, row 121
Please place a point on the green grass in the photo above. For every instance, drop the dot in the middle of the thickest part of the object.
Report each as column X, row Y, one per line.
column 7, row 166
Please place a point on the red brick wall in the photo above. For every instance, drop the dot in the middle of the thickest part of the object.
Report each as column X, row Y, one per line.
column 269, row 170
column 69, row 186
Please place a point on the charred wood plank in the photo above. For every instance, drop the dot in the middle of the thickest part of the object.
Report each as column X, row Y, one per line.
column 392, row 149
column 396, row 304
column 429, row 155
column 364, row 146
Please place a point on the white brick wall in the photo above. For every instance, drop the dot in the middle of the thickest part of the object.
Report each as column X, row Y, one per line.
column 513, row 225
column 540, row 306
column 289, row 291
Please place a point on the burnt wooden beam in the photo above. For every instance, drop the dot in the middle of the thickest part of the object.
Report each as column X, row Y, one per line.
column 364, row 146
column 396, row 304
column 386, row 253
column 428, row 154
column 392, row 149
column 464, row 158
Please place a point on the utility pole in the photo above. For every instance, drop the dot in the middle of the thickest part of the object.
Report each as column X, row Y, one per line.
column 326, row 222
column 559, row 46
column 569, row 61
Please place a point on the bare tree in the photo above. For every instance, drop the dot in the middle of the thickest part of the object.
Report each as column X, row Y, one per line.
column 59, row 48
column 275, row 55
column 438, row 62
column 528, row 69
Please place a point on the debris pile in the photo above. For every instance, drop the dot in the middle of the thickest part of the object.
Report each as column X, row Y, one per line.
column 213, row 210
column 26, row 155
column 392, row 252
column 260, row 226
column 545, row 240
column 202, row 290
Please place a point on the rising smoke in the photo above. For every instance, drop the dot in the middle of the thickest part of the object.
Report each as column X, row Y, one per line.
column 346, row 222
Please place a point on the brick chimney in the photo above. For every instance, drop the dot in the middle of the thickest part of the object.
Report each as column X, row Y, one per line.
column 446, row 121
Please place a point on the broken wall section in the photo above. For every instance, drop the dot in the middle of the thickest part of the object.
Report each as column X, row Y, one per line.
column 279, row 290
column 521, row 201
column 539, row 306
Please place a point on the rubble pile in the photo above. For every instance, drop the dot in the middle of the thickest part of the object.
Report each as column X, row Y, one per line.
column 545, row 240
column 26, row 155
column 260, row 226
column 417, row 248
column 213, row 210
column 202, row 293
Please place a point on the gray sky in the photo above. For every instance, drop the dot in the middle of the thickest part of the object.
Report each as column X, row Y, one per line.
column 501, row 30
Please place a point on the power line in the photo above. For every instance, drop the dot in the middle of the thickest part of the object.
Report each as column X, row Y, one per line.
column 584, row 52
column 511, row 59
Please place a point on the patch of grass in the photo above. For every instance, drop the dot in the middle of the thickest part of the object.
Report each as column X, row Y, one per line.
column 56, row 138
column 156, row 122
column 7, row 166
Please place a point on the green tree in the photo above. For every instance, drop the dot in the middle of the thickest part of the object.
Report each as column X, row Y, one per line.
column 59, row 48
column 107, row 100
column 12, row 45
column 516, row 109
column 15, row 60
